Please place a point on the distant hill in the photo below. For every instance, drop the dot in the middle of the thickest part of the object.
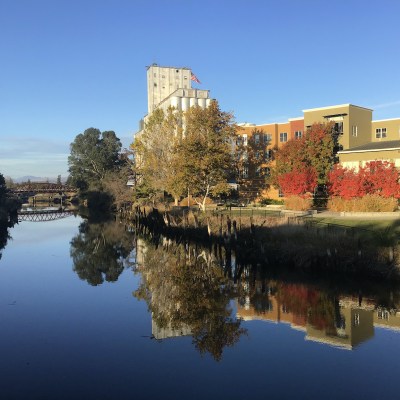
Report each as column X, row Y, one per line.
column 32, row 178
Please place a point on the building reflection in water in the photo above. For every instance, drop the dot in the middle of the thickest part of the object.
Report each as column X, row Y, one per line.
column 341, row 321
column 185, row 285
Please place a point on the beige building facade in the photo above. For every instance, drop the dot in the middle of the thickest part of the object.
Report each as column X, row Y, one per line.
column 352, row 123
column 385, row 130
column 384, row 145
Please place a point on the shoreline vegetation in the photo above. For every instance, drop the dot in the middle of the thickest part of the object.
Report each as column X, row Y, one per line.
column 8, row 212
column 210, row 159
column 274, row 240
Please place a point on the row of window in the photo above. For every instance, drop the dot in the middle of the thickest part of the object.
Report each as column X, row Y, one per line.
column 380, row 133
column 176, row 85
column 265, row 155
column 267, row 138
column 244, row 173
column 283, row 136
column 163, row 76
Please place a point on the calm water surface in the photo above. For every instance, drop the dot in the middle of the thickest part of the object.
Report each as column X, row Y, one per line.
column 92, row 311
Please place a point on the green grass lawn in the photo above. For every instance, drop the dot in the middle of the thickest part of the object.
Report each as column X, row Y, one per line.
column 371, row 224
column 248, row 211
column 381, row 229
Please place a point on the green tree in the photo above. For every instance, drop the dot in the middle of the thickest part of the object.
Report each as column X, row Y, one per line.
column 10, row 183
column 204, row 159
column 8, row 212
column 115, row 182
column 59, row 180
column 189, row 293
column 253, row 160
column 93, row 155
column 155, row 150
column 3, row 190
column 101, row 251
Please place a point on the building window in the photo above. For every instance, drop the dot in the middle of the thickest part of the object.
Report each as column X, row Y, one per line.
column 268, row 155
column 356, row 319
column 155, row 85
column 383, row 314
column 256, row 138
column 283, row 137
column 155, row 75
column 339, row 128
column 285, row 309
column 162, row 76
column 354, row 130
column 298, row 134
column 267, row 137
column 280, row 193
column 380, row 133
column 258, row 171
column 267, row 171
column 185, row 77
column 244, row 140
column 244, row 172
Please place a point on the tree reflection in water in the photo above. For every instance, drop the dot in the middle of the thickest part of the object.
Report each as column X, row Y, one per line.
column 5, row 224
column 101, row 251
column 186, row 291
column 189, row 291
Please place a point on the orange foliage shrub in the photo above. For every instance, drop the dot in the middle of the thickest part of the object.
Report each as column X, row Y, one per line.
column 367, row 203
column 298, row 203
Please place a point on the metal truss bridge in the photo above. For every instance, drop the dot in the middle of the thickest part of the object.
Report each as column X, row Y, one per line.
column 43, row 215
column 45, row 187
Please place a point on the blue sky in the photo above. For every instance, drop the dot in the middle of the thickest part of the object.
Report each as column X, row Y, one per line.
column 70, row 65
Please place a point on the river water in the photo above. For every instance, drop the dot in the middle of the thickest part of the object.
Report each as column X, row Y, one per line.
column 95, row 311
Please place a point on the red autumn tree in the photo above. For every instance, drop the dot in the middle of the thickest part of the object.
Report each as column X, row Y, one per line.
column 377, row 177
column 298, row 182
column 345, row 183
column 382, row 178
column 313, row 152
column 290, row 156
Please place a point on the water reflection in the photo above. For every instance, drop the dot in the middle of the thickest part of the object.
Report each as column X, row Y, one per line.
column 329, row 316
column 207, row 293
column 101, row 251
column 187, row 294
column 188, row 289
column 5, row 224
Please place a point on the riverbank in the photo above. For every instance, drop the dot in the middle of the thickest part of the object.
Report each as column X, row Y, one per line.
column 293, row 241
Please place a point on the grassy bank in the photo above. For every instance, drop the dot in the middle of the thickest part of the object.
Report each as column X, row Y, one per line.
column 307, row 244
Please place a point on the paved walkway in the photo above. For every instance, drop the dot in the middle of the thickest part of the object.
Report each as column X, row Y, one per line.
column 358, row 215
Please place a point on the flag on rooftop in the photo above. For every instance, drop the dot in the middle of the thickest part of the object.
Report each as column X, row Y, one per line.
column 193, row 77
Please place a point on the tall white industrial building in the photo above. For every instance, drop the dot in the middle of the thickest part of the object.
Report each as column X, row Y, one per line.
column 172, row 87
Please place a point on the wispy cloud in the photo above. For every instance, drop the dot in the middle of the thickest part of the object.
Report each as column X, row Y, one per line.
column 29, row 156
column 385, row 105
